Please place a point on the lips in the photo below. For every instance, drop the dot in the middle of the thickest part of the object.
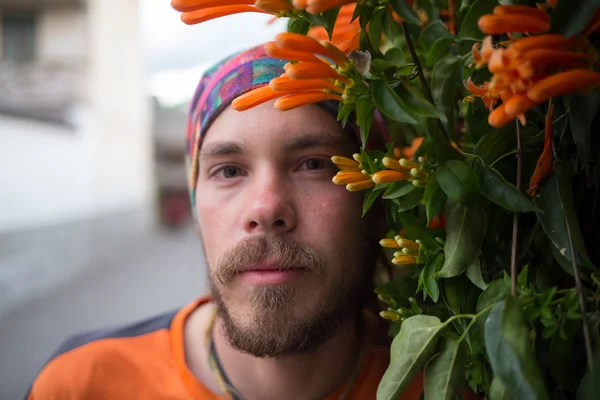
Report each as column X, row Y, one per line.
column 270, row 272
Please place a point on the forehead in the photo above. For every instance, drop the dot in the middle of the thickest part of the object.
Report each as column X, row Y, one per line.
column 268, row 127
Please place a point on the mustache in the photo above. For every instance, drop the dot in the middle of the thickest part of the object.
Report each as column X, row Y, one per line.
column 287, row 252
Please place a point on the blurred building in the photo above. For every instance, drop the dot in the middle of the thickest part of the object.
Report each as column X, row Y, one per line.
column 76, row 146
column 173, row 203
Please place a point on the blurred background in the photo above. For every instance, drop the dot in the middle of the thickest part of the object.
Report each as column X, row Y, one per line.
column 95, row 227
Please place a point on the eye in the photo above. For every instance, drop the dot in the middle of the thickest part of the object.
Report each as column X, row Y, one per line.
column 228, row 172
column 313, row 164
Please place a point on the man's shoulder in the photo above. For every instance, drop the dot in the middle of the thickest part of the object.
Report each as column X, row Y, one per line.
column 86, row 361
column 127, row 331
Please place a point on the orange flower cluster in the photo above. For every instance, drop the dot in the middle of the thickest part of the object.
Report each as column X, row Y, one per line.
column 319, row 72
column 353, row 175
column 198, row 11
column 530, row 70
column 346, row 32
column 409, row 250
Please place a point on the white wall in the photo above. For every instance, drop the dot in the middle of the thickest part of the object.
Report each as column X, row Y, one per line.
column 50, row 174
column 61, row 35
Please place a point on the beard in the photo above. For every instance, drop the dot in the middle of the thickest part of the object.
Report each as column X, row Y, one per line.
column 289, row 319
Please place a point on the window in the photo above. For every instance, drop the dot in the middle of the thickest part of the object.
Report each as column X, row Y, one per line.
column 18, row 37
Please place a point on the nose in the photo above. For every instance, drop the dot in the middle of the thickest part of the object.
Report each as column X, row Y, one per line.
column 270, row 205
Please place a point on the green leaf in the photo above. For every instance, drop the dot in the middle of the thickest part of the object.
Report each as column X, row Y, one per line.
column 445, row 373
column 394, row 57
column 500, row 191
column 522, row 277
column 571, row 17
column 469, row 27
column 582, row 110
column 589, row 388
column 498, row 391
column 370, row 199
column 438, row 49
column 367, row 162
column 417, row 104
column 398, row 189
column 510, row 352
column 456, row 293
column 474, row 275
column 330, row 16
column 553, row 219
column 410, row 201
column 375, row 27
column 400, row 291
column 365, row 110
column 416, row 230
column 388, row 102
column 445, row 81
column 410, row 351
column 564, row 177
column 444, row 151
column 435, row 199
column 495, row 293
column 431, row 33
column 465, row 229
column 458, row 180
column 430, row 284
column 405, row 11
column 496, row 143
column 559, row 356
column 298, row 25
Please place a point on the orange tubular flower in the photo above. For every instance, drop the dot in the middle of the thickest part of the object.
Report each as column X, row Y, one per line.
column 345, row 164
column 312, row 79
column 190, row 5
column 284, row 83
column 389, row 176
column 198, row 11
column 346, row 177
column 311, row 70
column 563, row 83
column 301, row 99
column 318, row 6
column 520, row 11
column 202, row 15
column 544, row 165
column 392, row 163
column 503, row 23
column 256, row 97
column 297, row 42
column 358, row 186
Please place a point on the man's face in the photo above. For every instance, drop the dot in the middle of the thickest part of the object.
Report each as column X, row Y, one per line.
column 284, row 245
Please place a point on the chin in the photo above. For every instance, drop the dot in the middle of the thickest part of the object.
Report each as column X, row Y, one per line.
column 282, row 321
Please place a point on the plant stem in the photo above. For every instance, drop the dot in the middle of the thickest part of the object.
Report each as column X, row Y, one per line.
column 416, row 61
column 415, row 58
column 579, row 291
column 515, row 235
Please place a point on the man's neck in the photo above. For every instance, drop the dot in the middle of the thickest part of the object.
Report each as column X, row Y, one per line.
column 306, row 376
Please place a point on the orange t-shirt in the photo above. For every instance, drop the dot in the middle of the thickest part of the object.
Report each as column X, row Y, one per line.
column 147, row 361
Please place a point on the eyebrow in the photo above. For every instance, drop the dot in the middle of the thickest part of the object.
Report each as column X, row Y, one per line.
column 314, row 139
column 305, row 141
column 222, row 149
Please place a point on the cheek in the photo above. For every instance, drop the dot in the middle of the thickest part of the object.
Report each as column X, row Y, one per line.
column 210, row 219
column 334, row 216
